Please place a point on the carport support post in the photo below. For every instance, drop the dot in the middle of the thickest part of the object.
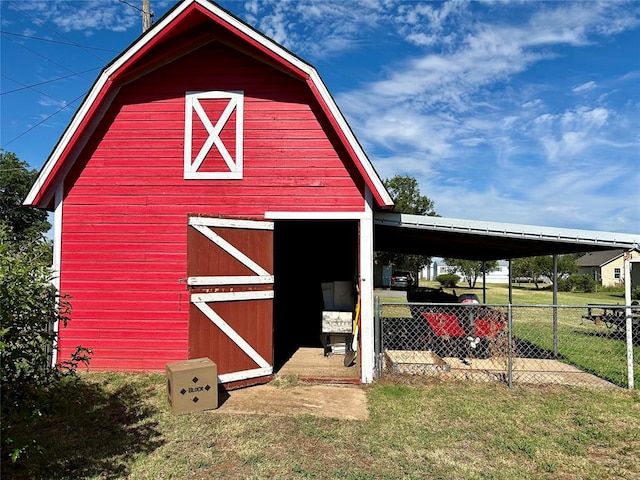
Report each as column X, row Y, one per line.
column 629, row 319
column 484, row 282
column 367, row 335
column 509, row 346
column 555, row 306
column 510, row 284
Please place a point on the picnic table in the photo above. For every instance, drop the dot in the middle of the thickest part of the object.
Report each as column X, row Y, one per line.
column 613, row 316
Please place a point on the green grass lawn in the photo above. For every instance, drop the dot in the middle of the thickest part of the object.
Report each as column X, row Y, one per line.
column 592, row 348
column 118, row 426
column 528, row 294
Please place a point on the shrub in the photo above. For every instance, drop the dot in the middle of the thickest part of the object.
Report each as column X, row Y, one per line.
column 27, row 312
column 615, row 289
column 577, row 283
column 448, row 280
column 635, row 293
column 564, row 285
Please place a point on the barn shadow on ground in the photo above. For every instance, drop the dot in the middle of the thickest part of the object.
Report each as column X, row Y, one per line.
column 89, row 432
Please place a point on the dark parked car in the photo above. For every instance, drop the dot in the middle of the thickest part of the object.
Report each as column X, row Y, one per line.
column 401, row 279
column 431, row 295
column 468, row 298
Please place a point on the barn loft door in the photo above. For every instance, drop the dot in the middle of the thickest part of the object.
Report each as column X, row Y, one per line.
column 230, row 277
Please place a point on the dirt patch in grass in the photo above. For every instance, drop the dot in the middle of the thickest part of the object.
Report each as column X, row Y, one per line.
column 327, row 401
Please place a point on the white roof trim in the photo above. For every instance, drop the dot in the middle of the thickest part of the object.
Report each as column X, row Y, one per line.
column 511, row 230
column 244, row 28
column 302, row 215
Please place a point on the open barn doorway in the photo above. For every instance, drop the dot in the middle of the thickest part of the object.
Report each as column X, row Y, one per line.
column 306, row 255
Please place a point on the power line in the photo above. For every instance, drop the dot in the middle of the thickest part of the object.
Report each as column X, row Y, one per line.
column 65, row 105
column 34, row 89
column 30, row 37
column 69, row 42
column 46, row 58
column 132, row 6
column 147, row 14
column 40, row 22
column 24, row 87
column 44, row 120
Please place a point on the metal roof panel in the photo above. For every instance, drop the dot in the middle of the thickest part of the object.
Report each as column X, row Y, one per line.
column 482, row 240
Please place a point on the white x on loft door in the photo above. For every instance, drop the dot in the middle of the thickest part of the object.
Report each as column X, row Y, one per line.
column 213, row 135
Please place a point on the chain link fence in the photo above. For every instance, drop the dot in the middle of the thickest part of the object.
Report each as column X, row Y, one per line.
column 589, row 345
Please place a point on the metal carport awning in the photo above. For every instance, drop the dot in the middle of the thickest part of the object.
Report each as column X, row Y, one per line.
column 480, row 240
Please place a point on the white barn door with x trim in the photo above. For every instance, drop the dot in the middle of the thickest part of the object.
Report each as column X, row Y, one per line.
column 230, row 278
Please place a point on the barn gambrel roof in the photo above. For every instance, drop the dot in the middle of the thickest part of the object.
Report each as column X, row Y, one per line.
column 189, row 16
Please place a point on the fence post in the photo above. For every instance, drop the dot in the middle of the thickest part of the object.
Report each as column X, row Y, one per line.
column 629, row 328
column 377, row 344
column 510, row 347
column 555, row 306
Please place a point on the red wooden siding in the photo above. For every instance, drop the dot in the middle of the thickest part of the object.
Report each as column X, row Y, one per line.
column 126, row 203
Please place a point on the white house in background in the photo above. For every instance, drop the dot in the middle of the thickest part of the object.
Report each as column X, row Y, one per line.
column 439, row 266
column 606, row 267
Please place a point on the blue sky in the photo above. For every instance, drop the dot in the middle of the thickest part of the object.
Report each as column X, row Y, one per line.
column 523, row 112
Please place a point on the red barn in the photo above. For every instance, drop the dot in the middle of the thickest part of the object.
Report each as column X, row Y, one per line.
column 203, row 191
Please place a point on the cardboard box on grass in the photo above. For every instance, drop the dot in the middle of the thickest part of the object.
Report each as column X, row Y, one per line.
column 192, row 385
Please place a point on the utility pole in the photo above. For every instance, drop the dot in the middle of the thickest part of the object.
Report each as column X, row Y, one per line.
column 146, row 15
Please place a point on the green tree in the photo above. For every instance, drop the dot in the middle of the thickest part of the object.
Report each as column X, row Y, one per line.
column 536, row 267
column 24, row 223
column 405, row 192
column 525, row 268
column 471, row 269
column 29, row 307
column 566, row 266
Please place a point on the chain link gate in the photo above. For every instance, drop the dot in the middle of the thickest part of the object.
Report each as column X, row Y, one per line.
column 524, row 344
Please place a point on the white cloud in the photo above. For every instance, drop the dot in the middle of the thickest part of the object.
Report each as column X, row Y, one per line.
column 51, row 102
column 252, row 7
column 532, row 103
column 585, row 87
column 572, row 199
column 429, row 24
column 490, row 54
column 88, row 15
column 316, row 29
column 457, row 111
column 567, row 135
column 486, row 146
